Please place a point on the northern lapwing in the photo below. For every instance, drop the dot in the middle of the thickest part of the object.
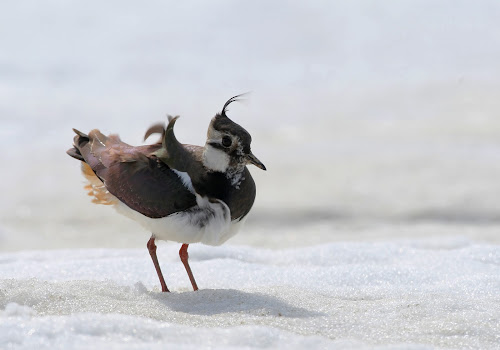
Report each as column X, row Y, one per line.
column 179, row 192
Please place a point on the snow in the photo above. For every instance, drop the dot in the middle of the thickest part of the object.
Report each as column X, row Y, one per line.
column 390, row 108
column 405, row 294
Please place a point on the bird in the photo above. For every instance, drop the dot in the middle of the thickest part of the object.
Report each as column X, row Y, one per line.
column 179, row 192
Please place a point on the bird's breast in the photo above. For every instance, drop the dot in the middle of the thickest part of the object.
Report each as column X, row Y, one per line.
column 239, row 197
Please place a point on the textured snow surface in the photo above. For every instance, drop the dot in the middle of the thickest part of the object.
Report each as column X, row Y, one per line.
column 377, row 120
column 408, row 294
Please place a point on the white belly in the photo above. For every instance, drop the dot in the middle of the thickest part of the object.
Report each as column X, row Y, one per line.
column 208, row 223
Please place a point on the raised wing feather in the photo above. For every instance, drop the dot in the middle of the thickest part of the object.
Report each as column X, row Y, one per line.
column 133, row 175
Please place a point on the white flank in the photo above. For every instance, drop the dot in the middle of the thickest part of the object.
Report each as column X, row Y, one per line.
column 214, row 159
column 186, row 180
column 208, row 223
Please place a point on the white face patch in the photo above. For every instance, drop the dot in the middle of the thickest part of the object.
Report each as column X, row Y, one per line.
column 215, row 159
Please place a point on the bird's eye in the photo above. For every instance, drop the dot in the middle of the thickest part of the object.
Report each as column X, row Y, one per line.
column 226, row 141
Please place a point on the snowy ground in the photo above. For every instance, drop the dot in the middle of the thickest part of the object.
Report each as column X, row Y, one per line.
column 407, row 294
column 377, row 223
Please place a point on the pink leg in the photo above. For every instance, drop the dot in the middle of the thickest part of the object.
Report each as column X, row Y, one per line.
column 183, row 253
column 152, row 251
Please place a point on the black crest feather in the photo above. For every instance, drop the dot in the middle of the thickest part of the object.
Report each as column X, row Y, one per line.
column 231, row 100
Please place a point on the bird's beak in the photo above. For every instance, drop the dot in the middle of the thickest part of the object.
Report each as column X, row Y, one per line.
column 253, row 159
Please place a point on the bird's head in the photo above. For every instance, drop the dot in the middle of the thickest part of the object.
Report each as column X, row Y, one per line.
column 228, row 144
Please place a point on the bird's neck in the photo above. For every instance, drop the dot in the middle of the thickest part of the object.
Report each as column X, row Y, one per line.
column 235, row 174
column 216, row 160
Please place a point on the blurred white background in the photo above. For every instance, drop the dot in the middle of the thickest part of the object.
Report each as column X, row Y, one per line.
column 375, row 119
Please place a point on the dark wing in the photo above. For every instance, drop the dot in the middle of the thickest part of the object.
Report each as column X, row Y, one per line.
column 133, row 175
column 185, row 158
